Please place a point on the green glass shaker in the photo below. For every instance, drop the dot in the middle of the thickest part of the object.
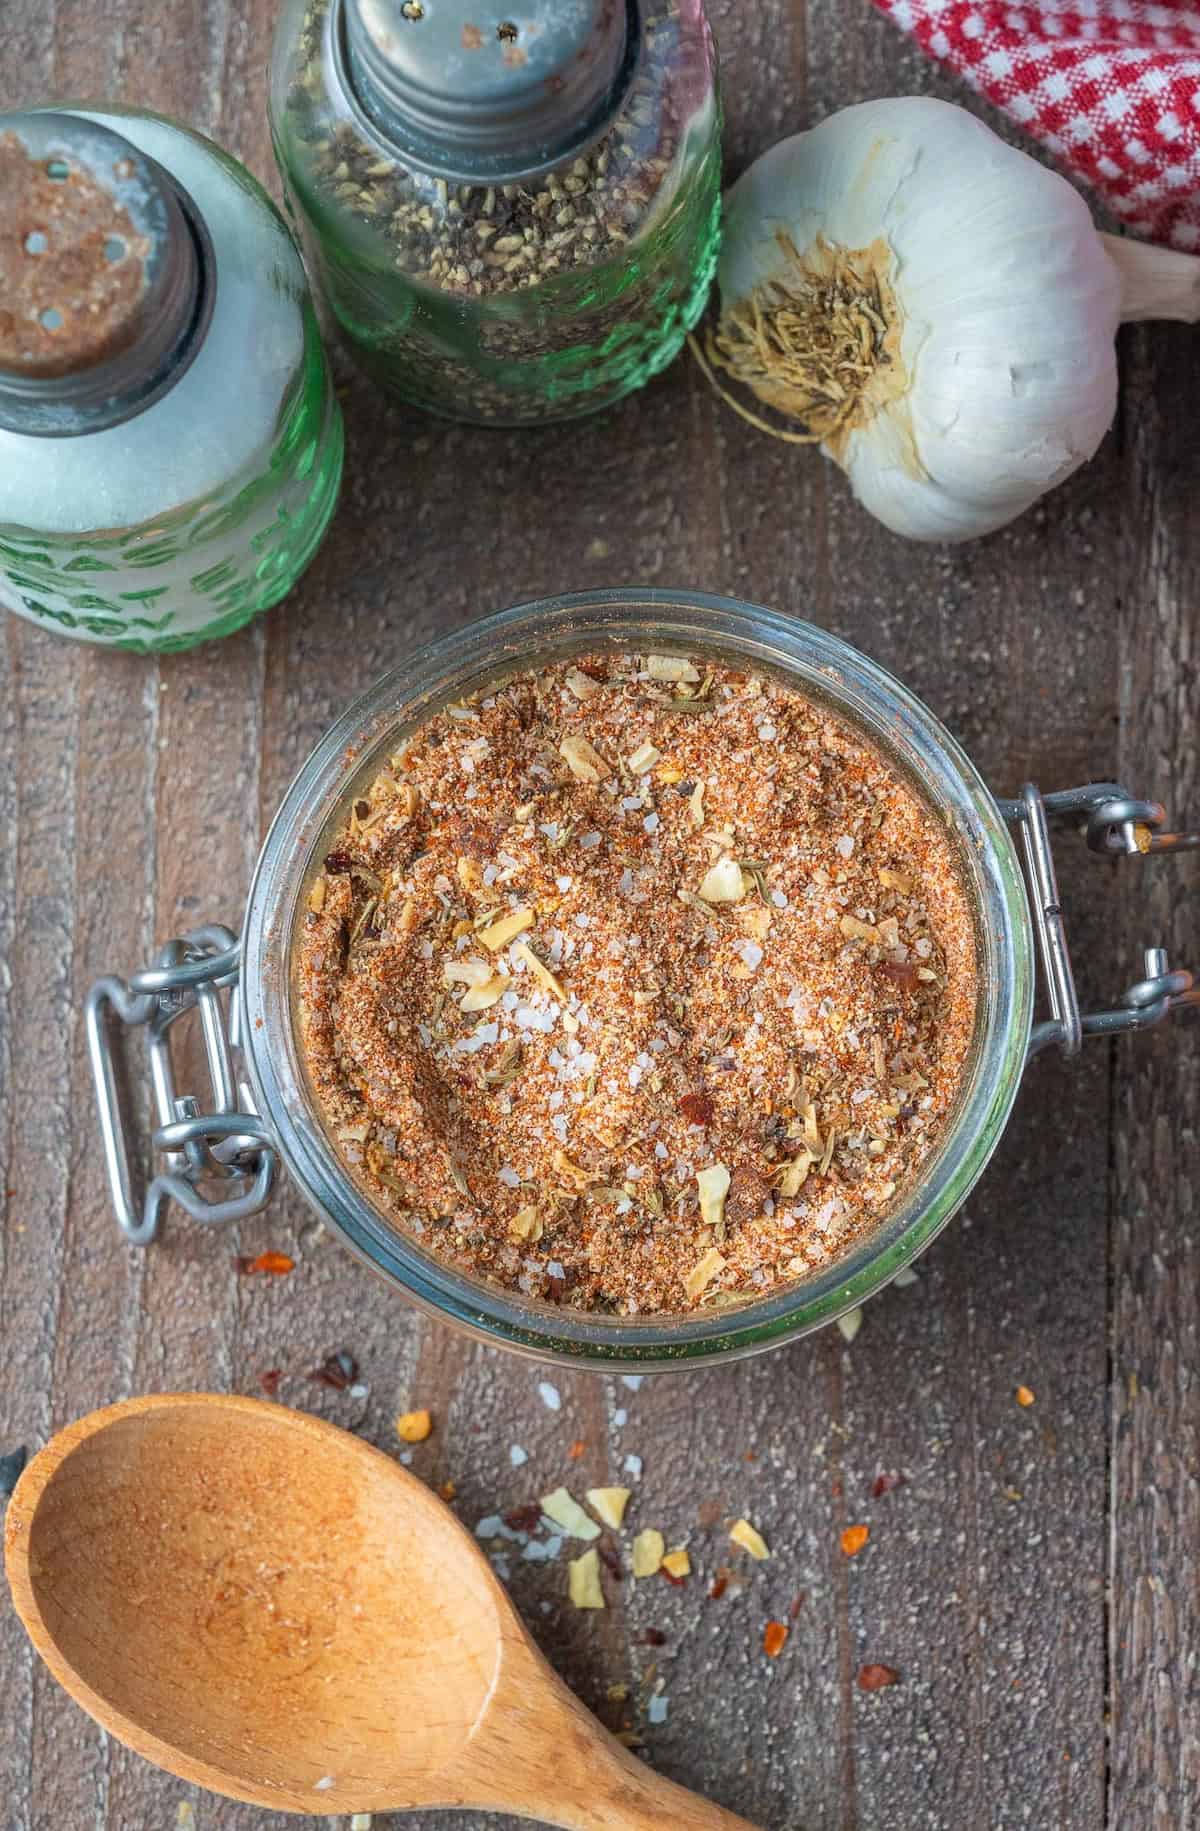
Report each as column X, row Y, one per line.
column 170, row 444
column 513, row 218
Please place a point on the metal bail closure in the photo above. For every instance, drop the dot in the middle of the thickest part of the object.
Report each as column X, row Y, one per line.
column 106, row 276
column 479, row 94
column 219, row 1162
column 1114, row 822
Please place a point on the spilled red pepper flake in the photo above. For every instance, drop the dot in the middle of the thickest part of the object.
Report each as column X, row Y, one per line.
column 337, row 1371
column 877, row 1678
column 885, row 1481
column 797, row 1604
column 697, row 1109
column 576, row 1450
column 677, row 1582
column 277, row 1263
column 524, row 1519
column 720, row 1584
column 774, row 1639
column 269, row 1381
column 854, row 1538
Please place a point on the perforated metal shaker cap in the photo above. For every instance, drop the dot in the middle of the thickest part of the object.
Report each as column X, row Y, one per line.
column 473, row 91
column 101, row 281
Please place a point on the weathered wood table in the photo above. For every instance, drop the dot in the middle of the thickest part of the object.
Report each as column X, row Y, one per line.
column 1034, row 1581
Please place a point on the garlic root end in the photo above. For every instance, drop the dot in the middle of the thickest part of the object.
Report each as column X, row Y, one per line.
column 1155, row 282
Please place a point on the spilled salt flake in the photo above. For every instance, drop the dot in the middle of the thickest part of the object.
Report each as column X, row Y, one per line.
column 656, row 1710
column 632, row 1380
column 549, row 1395
column 517, row 1456
column 850, row 1324
column 649, row 1548
column 620, row 1416
column 750, row 1539
column 583, row 1581
column 565, row 1511
column 609, row 1504
column 632, row 1466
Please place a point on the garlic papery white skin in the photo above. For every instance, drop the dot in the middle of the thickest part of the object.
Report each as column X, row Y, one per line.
column 935, row 308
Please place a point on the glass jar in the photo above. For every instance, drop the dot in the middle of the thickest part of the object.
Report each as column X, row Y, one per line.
column 511, row 219
column 170, row 444
column 243, row 1145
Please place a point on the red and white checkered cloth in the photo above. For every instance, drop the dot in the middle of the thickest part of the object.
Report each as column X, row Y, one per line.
column 1110, row 87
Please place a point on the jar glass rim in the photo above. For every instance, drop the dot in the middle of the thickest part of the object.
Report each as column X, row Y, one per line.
column 815, row 661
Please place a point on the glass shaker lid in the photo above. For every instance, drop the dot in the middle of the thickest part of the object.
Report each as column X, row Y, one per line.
column 101, row 281
column 485, row 92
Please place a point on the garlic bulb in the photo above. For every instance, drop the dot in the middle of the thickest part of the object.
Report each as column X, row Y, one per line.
column 934, row 306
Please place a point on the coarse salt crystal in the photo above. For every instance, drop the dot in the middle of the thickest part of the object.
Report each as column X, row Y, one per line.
column 845, row 845
column 631, row 803
column 751, row 953
column 632, row 1380
column 651, row 823
column 549, row 1395
column 766, row 733
column 620, row 1416
column 632, row 1466
column 656, row 1710
column 661, row 1151
column 517, row 1456
column 509, row 1178
column 589, row 840
column 780, row 901
column 563, row 884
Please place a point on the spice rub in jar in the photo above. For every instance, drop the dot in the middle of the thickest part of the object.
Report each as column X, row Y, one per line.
column 637, row 983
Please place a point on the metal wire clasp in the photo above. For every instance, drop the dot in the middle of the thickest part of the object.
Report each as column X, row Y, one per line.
column 1114, row 822
column 227, row 1149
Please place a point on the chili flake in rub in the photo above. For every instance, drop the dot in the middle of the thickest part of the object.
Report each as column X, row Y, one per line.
column 637, row 984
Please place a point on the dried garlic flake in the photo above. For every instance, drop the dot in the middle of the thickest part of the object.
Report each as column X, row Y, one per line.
column 648, row 1549
column 479, row 997
column 643, row 759
column 703, row 1273
column 670, row 667
column 724, row 882
column 582, row 685
column 583, row 1578
column 539, row 969
column 713, row 1185
column 609, row 1503
column 525, row 1225
column 744, row 1534
column 582, row 759
column 565, row 1511
column 499, row 933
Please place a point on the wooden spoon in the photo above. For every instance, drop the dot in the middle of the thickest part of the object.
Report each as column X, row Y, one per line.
column 259, row 1603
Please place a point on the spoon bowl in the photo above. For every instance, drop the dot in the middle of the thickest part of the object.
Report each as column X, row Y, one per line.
column 263, row 1604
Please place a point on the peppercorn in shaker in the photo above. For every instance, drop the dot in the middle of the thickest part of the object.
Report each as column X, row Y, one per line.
column 512, row 218
column 170, row 446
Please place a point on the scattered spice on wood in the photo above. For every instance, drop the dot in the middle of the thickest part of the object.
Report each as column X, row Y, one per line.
column 524, row 1519
column 337, row 1371
column 886, row 1481
column 269, row 1380
column 557, row 1063
column 774, row 1639
column 797, row 1603
column 719, row 1585
column 750, row 1539
column 1025, row 1396
column 448, row 1490
column 576, row 1450
column 677, row 1565
column 413, row 1426
column 277, row 1264
column 583, row 1580
column 876, row 1678
column 654, row 1637
column 854, row 1538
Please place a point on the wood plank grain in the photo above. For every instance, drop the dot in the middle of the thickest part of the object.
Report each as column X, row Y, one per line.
column 983, row 1578
column 1155, row 1360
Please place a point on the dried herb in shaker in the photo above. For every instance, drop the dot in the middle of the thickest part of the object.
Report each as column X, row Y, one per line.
column 510, row 220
